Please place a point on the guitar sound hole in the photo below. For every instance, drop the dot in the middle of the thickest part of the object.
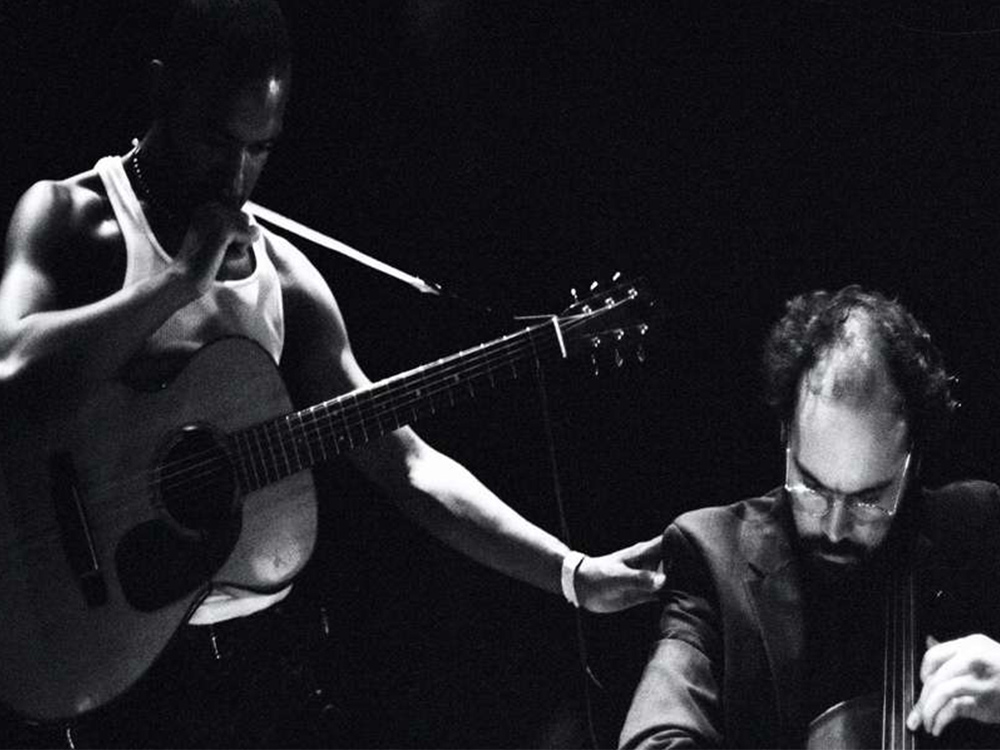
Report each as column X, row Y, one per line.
column 197, row 485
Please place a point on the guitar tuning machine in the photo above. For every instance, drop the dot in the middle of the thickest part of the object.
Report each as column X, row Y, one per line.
column 640, row 350
column 595, row 343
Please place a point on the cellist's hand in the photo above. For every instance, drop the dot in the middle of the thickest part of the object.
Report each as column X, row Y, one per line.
column 961, row 680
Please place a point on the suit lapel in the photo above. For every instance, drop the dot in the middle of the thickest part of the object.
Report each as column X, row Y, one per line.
column 772, row 585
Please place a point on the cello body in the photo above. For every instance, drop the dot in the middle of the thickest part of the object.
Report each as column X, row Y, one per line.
column 854, row 723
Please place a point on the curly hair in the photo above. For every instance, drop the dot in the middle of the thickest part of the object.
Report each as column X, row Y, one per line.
column 814, row 322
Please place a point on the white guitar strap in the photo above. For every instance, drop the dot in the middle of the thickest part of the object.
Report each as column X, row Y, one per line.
column 307, row 233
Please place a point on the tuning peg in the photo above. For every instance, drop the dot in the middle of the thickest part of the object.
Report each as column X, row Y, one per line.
column 615, row 276
column 594, row 285
column 640, row 350
column 595, row 343
column 619, row 361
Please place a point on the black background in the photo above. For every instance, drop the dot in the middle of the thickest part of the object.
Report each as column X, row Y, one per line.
column 733, row 154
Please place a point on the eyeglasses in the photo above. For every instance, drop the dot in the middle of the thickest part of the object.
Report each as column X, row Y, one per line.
column 865, row 507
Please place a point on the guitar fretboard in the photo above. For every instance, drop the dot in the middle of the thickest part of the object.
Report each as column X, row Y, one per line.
column 270, row 451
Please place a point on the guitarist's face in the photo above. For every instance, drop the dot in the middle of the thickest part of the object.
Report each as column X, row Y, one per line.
column 851, row 451
column 219, row 134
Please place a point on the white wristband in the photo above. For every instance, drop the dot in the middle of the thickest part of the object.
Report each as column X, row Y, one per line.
column 571, row 561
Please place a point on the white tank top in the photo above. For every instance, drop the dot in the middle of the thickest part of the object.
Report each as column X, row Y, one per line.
column 250, row 307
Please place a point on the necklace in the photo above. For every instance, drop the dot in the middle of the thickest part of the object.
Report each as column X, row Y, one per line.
column 140, row 180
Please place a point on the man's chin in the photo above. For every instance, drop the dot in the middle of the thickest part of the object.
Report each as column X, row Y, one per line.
column 836, row 563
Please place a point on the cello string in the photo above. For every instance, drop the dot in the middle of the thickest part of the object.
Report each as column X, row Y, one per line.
column 886, row 670
column 911, row 652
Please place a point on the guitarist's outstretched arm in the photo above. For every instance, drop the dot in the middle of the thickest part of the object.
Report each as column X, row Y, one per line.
column 447, row 500
column 431, row 488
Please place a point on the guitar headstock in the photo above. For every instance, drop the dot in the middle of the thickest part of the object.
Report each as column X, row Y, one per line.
column 615, row 320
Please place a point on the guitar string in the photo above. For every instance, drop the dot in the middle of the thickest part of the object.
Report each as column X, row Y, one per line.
column 319, row 428
column 392, row 405
column 208, row 470
column 320, row 415
column 188, row 472
column 309, row 431
column 266, row 453
column 323, row 425
column 371, row 411
column 260, row 444
column 326, row 425
column 369, row 407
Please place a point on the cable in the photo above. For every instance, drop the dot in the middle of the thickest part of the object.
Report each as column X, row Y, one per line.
column 581, row 639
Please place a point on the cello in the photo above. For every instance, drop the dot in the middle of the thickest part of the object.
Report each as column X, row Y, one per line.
column 878, row 720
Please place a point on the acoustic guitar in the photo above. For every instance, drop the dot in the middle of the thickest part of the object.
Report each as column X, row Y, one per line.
column 117, row 519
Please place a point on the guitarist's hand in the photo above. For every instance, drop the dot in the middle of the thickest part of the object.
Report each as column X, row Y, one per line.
column 622, row 579
column 961, row 679
column 213, row 228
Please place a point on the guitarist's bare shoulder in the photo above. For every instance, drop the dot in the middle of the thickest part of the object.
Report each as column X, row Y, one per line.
column 68, row 231
column 295, row 271
column 315, row 335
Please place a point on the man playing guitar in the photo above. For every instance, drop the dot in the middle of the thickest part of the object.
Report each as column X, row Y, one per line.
column 149, row 257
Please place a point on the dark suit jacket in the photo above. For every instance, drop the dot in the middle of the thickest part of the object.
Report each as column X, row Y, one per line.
column 728, row 669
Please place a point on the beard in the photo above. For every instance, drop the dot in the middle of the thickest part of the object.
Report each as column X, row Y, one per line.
column 834, row 559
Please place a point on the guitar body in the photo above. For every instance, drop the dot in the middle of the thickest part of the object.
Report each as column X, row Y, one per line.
column 116, row 519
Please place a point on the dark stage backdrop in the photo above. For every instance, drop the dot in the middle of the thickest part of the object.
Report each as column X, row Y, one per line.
column 731, row 153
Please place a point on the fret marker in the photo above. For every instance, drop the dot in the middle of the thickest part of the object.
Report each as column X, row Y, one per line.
column 559, row 336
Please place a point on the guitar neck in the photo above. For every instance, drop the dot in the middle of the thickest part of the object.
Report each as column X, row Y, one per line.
column 270, row 451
